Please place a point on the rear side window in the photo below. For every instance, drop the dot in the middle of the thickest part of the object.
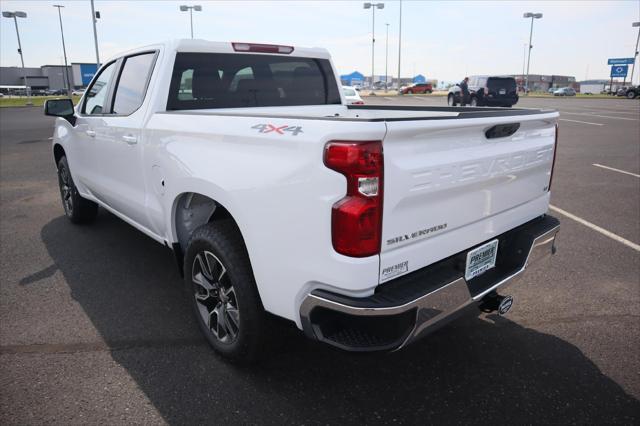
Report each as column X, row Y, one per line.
column 132, row 83
column 96, row 97
column 222, row 80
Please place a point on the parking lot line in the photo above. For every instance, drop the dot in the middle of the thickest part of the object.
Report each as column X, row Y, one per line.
column 616, row 170
column 595, row 115
column 582, row 122
column 596, row 228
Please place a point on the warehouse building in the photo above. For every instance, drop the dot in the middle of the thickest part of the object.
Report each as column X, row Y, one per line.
column 49, row 77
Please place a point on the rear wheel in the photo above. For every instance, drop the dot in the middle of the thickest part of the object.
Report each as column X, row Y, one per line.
column 76, row 208
column 223, row 292
column 451, row 100
column 631, row 94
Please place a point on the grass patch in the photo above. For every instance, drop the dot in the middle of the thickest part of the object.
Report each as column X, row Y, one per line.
column 37, row 101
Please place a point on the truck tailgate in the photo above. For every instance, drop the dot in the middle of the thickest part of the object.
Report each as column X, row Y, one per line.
column 448, row 186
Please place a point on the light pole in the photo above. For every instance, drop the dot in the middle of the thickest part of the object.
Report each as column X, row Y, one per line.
column 532, row 16
column 386, row 62
column 399, row 45
column 64, row 51
column 15, row 15
column 635, row 53
column 94, row 20
column 524, row 61
column 196, row 7
column 373, row 7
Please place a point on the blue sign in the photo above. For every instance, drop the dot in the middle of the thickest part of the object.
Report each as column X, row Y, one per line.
column 620, row 61
column 619, row 70
column 87, row 71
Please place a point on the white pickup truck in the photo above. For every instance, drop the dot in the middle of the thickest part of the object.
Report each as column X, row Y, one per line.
column 367, row 226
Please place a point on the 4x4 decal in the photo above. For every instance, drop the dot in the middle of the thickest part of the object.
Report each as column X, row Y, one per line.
column 268, row 128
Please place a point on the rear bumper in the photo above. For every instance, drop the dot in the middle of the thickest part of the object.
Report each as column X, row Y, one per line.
column 411, row 306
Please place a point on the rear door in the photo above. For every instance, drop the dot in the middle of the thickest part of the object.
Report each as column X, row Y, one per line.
column 501, row 87
column 448, row 187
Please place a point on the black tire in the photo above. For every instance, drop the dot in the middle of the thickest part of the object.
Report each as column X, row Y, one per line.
column 631, row 94
column 77, row 209
column 244, row 331
column 410, row 92
column 451, row 100
column 474, row 101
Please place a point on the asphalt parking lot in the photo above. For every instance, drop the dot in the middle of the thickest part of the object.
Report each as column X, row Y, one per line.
column 94, row 326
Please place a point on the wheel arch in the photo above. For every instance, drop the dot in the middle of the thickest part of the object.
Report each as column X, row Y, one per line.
column 191, row 210
column 58, row 153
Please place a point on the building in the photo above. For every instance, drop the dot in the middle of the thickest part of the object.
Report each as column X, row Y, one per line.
column 51, row 77
column 542, row 83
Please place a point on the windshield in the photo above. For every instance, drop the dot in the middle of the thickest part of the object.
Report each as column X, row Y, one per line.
column 348, row 91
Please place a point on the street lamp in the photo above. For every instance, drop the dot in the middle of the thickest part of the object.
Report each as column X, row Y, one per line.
column 15, row 15
column 196, row 7
column 373, row 7
column 399, row 46
column 532, row 16
column 64, row 51
column 635, row 53
column 94, row 19
column 386, row 62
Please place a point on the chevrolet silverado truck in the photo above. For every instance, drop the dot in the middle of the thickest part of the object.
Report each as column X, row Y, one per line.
column 367, row 226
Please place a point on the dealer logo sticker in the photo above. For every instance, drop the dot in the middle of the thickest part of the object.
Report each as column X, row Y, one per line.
column 395, row 270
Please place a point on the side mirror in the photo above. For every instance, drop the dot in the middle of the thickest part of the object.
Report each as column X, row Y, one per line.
column 60, row 108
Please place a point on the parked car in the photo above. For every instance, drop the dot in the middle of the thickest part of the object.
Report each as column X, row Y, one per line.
column 351, row 96
column 486, row 91
column 277, row 197
column 564, row 91
column 417, row 88
column 77, row 92
column 56, row 92
column 630, row 92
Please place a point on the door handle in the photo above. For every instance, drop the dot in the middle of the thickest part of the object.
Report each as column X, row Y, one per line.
column 91, row 133
column 131, row 140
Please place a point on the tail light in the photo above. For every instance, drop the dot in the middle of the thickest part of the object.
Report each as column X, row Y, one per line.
column 356, row 220
column 555, row 152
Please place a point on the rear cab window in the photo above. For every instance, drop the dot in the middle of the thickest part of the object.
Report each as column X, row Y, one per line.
column 223, row 80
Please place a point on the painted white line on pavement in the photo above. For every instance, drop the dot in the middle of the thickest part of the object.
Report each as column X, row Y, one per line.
column 616, row 170
column 582, row 122
column 596, row 228
column 389, row 99
column 595, row 115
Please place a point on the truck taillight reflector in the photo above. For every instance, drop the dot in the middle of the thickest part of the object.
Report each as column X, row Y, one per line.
column 261, row 48
column 356, row 220
column 555, row 153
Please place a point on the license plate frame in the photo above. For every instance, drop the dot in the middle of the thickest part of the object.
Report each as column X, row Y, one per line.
column 502, row 91
column 481, row 259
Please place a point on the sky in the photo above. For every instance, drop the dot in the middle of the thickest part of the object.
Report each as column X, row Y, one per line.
column 445, row 40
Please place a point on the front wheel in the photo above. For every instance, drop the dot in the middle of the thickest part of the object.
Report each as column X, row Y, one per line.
column 631, row 94
column 76, row 208
column 223, row 293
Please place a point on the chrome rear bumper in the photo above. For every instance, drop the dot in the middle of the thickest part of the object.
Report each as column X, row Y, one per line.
column 391, row 319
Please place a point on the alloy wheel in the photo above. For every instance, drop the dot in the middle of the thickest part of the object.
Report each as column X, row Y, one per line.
column 66, row 189
column 215, row 297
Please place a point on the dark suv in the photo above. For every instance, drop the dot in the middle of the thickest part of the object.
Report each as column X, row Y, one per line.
column 486, row 91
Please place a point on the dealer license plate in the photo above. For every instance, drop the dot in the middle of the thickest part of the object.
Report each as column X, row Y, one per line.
column 481, row 259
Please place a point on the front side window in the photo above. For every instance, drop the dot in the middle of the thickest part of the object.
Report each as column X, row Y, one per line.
column 96, row 96
column 132, row 83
